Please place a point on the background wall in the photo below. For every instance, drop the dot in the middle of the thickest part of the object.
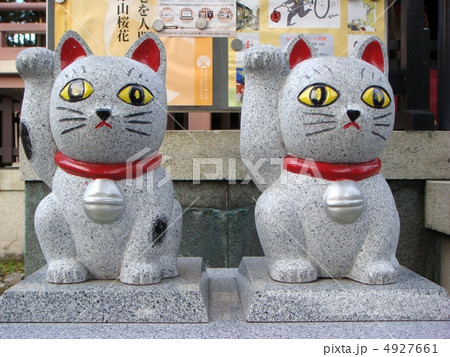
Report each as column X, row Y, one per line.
column 218, row 223
column 11, row 212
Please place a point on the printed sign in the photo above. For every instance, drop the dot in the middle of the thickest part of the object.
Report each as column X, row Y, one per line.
column 334, row 27
column 181, row 18
column 362, row 15
column 110, row 27
column 302, row 14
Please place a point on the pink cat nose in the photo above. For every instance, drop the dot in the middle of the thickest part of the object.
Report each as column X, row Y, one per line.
column 103, row 114
column 353, row 114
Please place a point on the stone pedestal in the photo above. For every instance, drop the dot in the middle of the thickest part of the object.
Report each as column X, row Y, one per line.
column 412, row 298
column 181, row 299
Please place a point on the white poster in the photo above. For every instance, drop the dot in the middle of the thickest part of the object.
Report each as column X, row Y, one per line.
column 247, row 15
column 199, row 18
column 305, row 14
column 362, row 15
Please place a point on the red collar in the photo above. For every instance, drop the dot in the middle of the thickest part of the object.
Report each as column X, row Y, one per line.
column 127, row 170
column 332, row 172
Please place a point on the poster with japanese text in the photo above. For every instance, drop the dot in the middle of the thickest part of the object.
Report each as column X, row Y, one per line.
column 180, row 18
column 111, row 27
column 334, row 27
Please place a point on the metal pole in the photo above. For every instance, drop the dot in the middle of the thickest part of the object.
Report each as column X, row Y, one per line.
column 444, row 65
column 7, row 130
column 51, row 24
column 412, row 55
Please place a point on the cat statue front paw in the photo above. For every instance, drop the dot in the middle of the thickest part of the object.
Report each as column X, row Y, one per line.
column 140, row 274
column 265, row 58
column 379, row 272
column 298, row 270
column 66, row 272
column 34, row 63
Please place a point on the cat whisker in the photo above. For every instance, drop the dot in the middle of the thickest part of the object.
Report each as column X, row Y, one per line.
column 328, row 69
column 378, row 134
column 382, row 116
column 322, row 114
column 137, row 132
column 138, row 122
column 70, row 110
column 322, row 122
column 72, row 129
column 72, row 119
column 137, row 114
column 320, row 131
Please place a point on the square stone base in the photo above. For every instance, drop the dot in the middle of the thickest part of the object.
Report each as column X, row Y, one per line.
column 180, row 299
column 412, row 298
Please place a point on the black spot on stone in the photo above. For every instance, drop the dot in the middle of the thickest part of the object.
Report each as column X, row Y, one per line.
column 26, row 142
column 159, row 231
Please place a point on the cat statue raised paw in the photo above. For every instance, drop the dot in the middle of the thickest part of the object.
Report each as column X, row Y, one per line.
column 91, row 128
column 328, row 212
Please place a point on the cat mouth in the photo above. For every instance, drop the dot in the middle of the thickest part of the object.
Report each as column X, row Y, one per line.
column 352, row 123
column 103, row 123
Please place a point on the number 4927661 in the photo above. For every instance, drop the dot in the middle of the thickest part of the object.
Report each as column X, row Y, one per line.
column 410, row 348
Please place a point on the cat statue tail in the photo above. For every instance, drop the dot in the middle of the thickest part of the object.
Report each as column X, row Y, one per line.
column 35, row 65
column 266, row 68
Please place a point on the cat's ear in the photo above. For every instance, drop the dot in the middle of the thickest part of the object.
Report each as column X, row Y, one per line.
column 298, row 50
column 149, row 50
column 374, row 51
column 71, row 47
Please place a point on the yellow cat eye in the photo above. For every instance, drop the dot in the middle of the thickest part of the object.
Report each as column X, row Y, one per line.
column 376, row 97
column 76, row 90
column 318, row 95
column 135, row 94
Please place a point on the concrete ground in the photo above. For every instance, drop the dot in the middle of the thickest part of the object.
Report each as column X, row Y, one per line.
column 226, row 321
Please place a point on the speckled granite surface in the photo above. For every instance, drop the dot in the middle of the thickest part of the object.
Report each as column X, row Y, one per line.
column 226, row 321
column 411, row 298
column 181, row 299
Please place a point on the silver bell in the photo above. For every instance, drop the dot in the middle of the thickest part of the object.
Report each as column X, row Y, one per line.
column 103, row 201
column 344, row 202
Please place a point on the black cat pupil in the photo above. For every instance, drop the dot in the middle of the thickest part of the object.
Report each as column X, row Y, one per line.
column 136, row 95
column 318, row 95
column 76, row 90
column 378, row 98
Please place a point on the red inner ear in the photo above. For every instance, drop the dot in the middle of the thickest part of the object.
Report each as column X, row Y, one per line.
column 373, row 54
column 300, row 52
column 71, row 51
column 148, row 53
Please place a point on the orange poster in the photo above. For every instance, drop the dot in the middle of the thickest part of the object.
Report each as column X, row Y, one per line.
column 110, row 27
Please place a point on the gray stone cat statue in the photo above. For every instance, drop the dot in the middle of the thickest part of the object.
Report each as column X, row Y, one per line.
column 328, row 212
column 91, row 127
